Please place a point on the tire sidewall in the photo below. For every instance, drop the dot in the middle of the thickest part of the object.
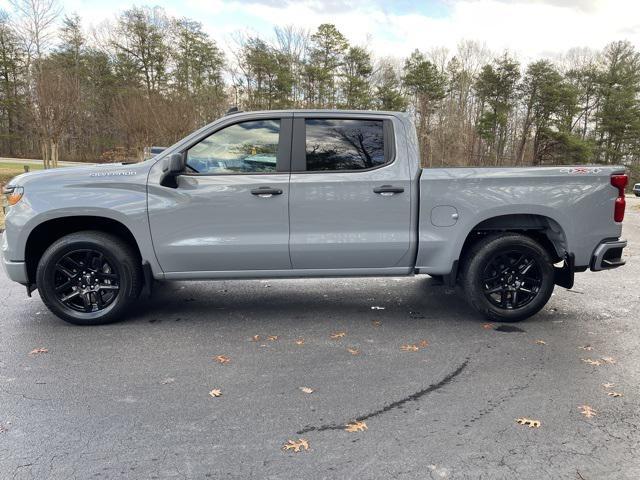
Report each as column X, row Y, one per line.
column 113, row 254
column 473, row 284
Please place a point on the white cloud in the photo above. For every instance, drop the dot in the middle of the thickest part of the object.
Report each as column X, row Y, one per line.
column 527, row 28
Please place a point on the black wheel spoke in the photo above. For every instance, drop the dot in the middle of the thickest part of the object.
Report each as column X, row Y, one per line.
column 85, row 281
column 512, row 278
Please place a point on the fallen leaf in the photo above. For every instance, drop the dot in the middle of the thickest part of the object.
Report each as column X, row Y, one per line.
column 255, row 338
column 377, row 308
column 306, row 390
column 376, row 323
column 167, row 381
column 528, row 422
column 38, row 351
column 356, row 427
column 487, row 326
column 272, row 338
column 608, row 385
column 609, row 360
column 296, row 446
column 300, row 341
column 588, row 348
column 596, row 363
column 353, row 351
column 216, row 392
column 423, row 344
column 541, row 342
column 587, row 411
column 337, row 335
column 409, row 348
column 614, row 394
column 223, row 359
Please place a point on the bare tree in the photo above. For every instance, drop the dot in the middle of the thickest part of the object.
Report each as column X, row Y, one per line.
column 36, row 20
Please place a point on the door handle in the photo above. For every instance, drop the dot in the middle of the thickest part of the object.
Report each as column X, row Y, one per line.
column 266, row 192
column 388, row 190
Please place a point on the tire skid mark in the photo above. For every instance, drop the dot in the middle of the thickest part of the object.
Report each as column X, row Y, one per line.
column 398, row 403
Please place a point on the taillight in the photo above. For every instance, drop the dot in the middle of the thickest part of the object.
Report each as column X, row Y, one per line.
column 619, row 181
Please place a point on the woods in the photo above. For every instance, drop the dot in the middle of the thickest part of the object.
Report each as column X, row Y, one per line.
column 145, row 78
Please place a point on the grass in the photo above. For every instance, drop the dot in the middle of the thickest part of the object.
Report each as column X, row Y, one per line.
column 9, row 170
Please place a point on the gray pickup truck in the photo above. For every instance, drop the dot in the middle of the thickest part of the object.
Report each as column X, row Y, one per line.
column 308, row 193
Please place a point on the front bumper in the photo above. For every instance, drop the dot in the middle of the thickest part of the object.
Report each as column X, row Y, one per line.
column 16, row 271
column 608, row 255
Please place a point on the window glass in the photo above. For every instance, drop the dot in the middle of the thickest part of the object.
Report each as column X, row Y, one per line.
column 344, row 144
column 247, row 147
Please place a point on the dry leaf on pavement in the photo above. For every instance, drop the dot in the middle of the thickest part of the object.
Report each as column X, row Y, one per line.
column 306, row 390
column 38, row 351
column 300, row 341
column 356, row 427
column 588, row 348
column 595, row 363
column 272, row 338
column 409, row 348
column 614, row 394
column 423, row 344
column 609, row 360
column 376, row 323
column 528, row 422
column 223, row 359
column 487, row 326
column 541, row 342
column 337, row 335
column 608, row 385
column 167, row 381
column 255, row 338
column 216, row 392
column 353, row 351
column 587, row 411
column 296, row 446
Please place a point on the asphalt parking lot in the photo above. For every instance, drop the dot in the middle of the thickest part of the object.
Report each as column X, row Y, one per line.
column 131, row 400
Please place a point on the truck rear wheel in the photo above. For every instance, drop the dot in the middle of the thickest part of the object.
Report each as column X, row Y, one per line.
column 507, row 277
column 89, row 278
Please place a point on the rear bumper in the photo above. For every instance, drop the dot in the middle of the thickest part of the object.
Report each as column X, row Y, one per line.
column 608, row 255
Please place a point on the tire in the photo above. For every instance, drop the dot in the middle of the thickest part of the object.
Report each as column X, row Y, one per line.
column 98, row 274
column 527, row 290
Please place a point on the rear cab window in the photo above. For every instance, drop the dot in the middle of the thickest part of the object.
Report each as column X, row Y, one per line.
column 341, row 144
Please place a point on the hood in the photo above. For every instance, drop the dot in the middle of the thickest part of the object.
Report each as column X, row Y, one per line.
column 87, row 172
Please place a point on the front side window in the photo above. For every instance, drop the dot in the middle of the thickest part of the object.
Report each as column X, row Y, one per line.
column 344, row 144
column 247, row 147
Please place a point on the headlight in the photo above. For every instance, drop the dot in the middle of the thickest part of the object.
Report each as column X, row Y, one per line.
column 13, row 194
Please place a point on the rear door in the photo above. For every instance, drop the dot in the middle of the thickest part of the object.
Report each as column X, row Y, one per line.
column 350, row 201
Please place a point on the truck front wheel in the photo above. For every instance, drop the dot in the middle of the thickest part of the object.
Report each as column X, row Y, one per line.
column 507, row 277
column 89, row 278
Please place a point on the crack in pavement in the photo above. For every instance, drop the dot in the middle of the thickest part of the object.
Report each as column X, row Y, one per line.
column 411, row 398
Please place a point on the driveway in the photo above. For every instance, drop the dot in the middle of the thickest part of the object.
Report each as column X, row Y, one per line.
column 437, row 387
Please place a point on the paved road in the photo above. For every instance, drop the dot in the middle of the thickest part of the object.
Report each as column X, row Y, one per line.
column 131, row 400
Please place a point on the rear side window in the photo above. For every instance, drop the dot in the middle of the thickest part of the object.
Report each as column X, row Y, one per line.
column 344, row 144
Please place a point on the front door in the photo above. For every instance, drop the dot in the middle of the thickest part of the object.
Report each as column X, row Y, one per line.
column 350, row 193
column 230, row 210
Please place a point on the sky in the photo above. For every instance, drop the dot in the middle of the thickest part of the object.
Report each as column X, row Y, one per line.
column 526, row 28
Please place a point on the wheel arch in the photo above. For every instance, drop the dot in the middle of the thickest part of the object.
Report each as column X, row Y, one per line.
column 541, row 228
column 47, row 232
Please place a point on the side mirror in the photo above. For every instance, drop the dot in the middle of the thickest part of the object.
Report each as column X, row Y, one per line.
column 176, row 163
